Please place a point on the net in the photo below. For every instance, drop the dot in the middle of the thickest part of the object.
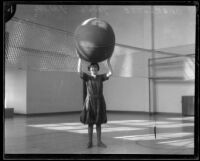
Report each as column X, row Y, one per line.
column 173, row 68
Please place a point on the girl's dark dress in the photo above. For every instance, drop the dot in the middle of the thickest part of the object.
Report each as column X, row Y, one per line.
column 94, row 108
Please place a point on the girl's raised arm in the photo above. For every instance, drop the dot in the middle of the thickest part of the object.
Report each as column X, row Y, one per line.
column 110, row 70
column 79, row 69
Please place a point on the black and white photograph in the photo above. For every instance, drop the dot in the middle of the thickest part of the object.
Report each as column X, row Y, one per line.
column 100, row 80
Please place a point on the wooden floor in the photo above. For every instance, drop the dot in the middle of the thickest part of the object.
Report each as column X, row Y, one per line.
column 125, row 133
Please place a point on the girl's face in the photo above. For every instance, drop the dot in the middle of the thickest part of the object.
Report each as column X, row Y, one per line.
column 94, row 70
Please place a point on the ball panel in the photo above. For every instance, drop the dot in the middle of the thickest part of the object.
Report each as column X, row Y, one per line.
column 98, row 54
column 95, row 35
column 95, row 40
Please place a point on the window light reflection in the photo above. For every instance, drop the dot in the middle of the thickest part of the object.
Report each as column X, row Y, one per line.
column 161, row 136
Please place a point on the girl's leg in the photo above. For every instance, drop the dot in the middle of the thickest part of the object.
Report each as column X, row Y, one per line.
column 90, row 133
column 99, row 142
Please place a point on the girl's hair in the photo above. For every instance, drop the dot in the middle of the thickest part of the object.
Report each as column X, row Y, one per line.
column 93, row 64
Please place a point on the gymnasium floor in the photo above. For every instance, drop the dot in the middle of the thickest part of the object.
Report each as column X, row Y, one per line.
column 125, row 133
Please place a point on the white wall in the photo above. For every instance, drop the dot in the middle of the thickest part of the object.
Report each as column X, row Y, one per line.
column 31, row 92
column 15, row 89
column 126, row 94
column 168, row 95
column 174, row 26
column 127, row 89
column 53, row 92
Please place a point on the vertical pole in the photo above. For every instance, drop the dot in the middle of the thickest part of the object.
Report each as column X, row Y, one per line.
column 97, row 11
column 153, row 59
column 152, row 81
column 84, row 91
column 149, row 75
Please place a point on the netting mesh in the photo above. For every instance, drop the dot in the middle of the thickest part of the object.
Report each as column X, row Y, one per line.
column 172, row 68
column 35, row 47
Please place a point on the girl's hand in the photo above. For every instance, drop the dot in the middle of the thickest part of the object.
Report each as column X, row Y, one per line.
column 108, row 60
column 110, row 68
column 79, row 65
column 77, row 54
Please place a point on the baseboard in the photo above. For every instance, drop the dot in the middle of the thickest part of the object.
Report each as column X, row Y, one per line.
column 48, row 114
column 144, row 113
column 108, row 111
column 169, row 113
column 127, row 112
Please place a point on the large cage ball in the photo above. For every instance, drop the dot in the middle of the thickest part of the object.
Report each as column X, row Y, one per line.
column 94, row 40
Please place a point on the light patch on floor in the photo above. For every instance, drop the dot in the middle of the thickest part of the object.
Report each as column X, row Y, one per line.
column 79, row 128
column 148, row 124
column 189, row 142
column 124, row 125
column 58, row 124
column 160, row 124
column 177, row 139
column 65, row 128
column 175, row 125
column 182, row 118
column 126, row 121
column 160, row 136
column 108, row 130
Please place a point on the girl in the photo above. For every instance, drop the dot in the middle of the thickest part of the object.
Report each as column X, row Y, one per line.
column 94, row 109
